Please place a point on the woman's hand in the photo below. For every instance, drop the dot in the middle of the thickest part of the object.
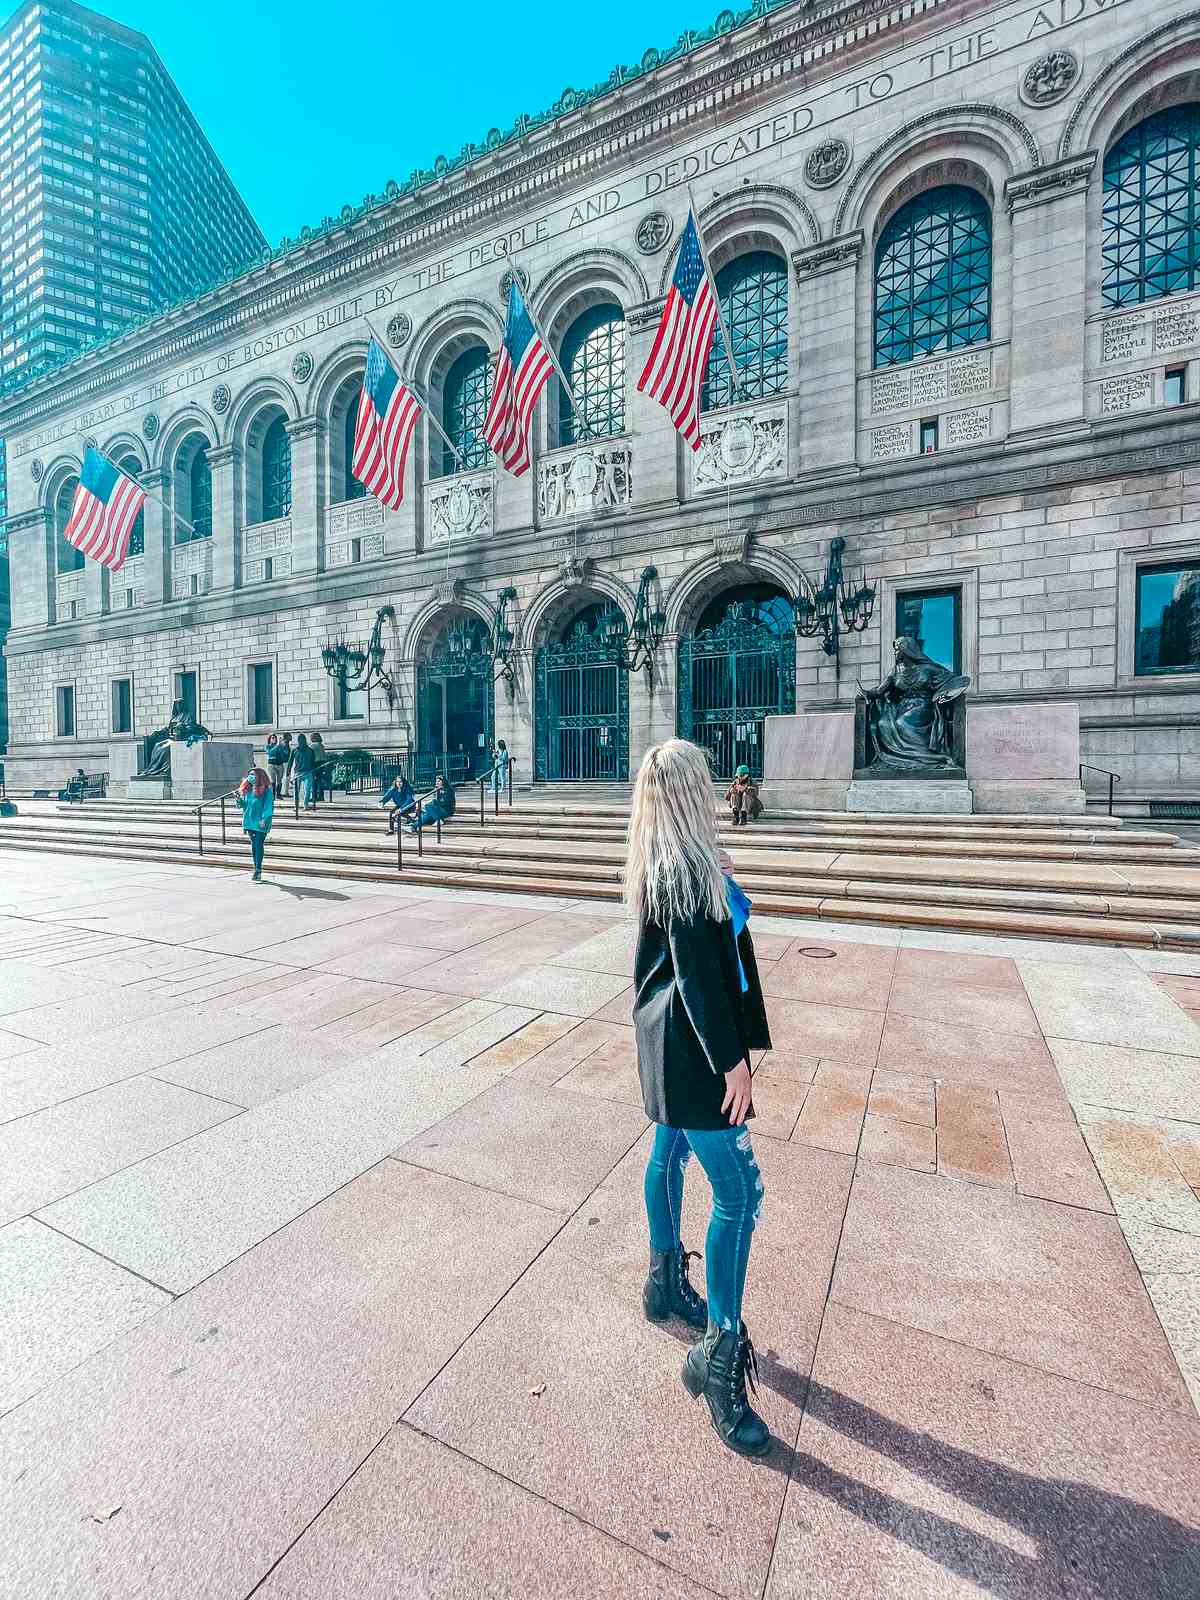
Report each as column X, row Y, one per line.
column 737, row 1093
column 725, row 861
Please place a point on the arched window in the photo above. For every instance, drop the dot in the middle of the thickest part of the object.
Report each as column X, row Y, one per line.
column 763, row 605
column 137, row 537
column 753, row 293
column 593, row 359
column 66, row 557
column 933, row 276
column 200, row 484
column 1150, row 237
column 465, row 396
column 351, row 488
column 276, row 471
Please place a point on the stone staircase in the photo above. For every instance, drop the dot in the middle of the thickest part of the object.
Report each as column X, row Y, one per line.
column 1050, row 877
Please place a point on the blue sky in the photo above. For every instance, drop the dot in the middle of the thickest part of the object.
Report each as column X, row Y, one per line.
column 311, row 103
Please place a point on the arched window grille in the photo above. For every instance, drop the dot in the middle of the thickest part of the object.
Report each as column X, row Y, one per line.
column 753, row 293
column 933, row 276
column 1150, row 234
column 66, row 557
column 593, row 359
column 200, row 496
column 137, row 536
column 465, row 396
column 351, row 488
column 276, row 472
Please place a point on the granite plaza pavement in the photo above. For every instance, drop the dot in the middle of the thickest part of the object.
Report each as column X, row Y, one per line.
column 321, row 1246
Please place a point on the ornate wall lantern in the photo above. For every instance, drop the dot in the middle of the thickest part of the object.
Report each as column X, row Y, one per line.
column 635, row 644
column 838, row 604
column 353, row 665
column 503, row 637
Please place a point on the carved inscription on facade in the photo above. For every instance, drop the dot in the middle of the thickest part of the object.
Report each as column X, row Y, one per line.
column 929, row 384
column 969, row 374
column 969, row 427
column 890, row 392
column 1177, row 327
column 1125, row 338
column 1126, row 393
column 893, row 441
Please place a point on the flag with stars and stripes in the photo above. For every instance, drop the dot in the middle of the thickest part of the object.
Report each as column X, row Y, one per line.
column 383, row 429
column 521, row 374
column 674, row 374
column 104, row 510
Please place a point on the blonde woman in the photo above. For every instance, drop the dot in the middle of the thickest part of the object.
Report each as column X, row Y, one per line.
column 698, row 1012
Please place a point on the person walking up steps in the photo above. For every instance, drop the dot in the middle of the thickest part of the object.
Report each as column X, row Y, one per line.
column 302, row 766
column 698, row 1012
column 257, row 800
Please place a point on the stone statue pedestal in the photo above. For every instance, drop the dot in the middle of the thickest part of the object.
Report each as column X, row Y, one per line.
column 147, row 789
column 124, row 757
column 208, row 768
column 808, row 760
column 936, row 797
column 1025, row 758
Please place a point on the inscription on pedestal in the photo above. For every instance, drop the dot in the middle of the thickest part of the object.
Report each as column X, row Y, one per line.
column 1126, row 393
column 968, row 427
column 889, row 392
column 1125, row 338
column 893, row 441
column 1177, row 327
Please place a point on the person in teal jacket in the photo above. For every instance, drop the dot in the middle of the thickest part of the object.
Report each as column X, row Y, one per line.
column 257, row 800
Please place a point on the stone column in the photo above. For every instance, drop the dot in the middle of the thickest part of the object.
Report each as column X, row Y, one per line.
column 308, row 498
column 159, row 528
column 1049, row 246
column 824, row 422
column 31, row 568
column 654, row 466
column 95, row 589
column 224, row 461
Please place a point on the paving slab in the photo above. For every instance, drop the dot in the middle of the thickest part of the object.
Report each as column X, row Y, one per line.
column 1169, row 1262
column 958, row 966
column 557, row 988
column 835, row 1033
column 543, row 1145
column 377, row 1539
column 967, row 1004
column 897, row 1143
column 58, row 1304
column 271, row 1061
column 832, row 1117
column 55, row 1152
column 1151, row 1082
column 580, row 1040
column 904, row 1096
column 619, row 1009
column 1134, row 1013
column 1137, row 1161
column 856, row 975
column 611, row 951
column 927, row 1470
column 649, row 1470
column 970, row 1135
column 960, row 1053
column 1049, row 1285
column 65, row 1022
column 610, row 1071
column 1050, row 1159
column 226, row 1423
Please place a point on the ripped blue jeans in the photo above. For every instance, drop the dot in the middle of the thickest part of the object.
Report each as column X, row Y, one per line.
column 737, row 1190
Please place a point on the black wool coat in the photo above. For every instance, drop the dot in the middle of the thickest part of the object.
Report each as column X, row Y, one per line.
column 692, row 1021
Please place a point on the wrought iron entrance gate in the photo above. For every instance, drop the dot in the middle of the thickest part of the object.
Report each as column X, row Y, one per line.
column 731, row 677
column 456, row 714
column 581, row 709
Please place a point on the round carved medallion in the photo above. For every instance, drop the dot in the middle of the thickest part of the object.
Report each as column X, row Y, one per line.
column 36, row 467
column 737, row 445
column 399, row 329
column 150, row 425
column 459, row 508
column 302, row 365
column 584, row 475
column 506, row 282
column 653, row 231
column 826, row 162
column 221, row 398
column 91, row 443
column 1049, row 78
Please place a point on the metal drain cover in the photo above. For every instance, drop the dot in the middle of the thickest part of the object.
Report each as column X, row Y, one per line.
column 816, row 952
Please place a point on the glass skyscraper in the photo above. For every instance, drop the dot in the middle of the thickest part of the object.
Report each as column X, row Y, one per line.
column 112, row 202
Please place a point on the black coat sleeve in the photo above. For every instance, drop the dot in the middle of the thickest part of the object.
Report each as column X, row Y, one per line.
column 702, row 978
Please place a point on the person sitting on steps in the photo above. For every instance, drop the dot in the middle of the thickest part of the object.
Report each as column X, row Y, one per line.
column 401, row 798
column 742, row 798
column 438, row 807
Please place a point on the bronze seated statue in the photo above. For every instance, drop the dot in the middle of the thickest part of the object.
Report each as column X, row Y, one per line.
column 913, row 725
column 182, row 726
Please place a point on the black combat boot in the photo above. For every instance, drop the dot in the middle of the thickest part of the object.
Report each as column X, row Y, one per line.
column 668, row 1292
column 717, row 1368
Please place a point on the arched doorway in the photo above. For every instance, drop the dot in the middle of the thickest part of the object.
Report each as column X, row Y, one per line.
column 736, row 668
column 456, row 700
column 581, row 711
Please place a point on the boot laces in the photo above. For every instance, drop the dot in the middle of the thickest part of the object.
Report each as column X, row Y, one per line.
column 743, row 1369
column 682, row 1284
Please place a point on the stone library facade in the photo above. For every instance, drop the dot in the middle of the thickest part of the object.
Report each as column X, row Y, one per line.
column 957, row 247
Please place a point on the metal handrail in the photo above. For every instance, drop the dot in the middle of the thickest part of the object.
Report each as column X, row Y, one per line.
column 1113, row 778
column 482, row 780
column 216, row 800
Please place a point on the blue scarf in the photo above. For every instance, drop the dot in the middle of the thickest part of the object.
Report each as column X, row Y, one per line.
column 739, row 911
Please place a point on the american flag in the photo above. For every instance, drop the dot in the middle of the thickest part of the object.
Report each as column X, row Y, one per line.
column 104, row 510
column 674, row 374
column 521, row 373
column 383, row 430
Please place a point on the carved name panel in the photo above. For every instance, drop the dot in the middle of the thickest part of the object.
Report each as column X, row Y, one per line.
column 932, row 382
column 893, row 441
column 1126, row 393
column 1177, row 327
column 969, row 374
column 929, row 384
column 342, row 554
column 1125, row 338
column 890, row 392
column 969, row 427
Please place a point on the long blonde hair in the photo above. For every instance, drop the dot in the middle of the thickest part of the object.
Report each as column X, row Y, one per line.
column 672, row 868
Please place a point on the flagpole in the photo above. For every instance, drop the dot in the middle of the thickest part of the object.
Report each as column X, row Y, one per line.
column 158, row 500
column 712, row 289
column 425, row 406
column 554, row 362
